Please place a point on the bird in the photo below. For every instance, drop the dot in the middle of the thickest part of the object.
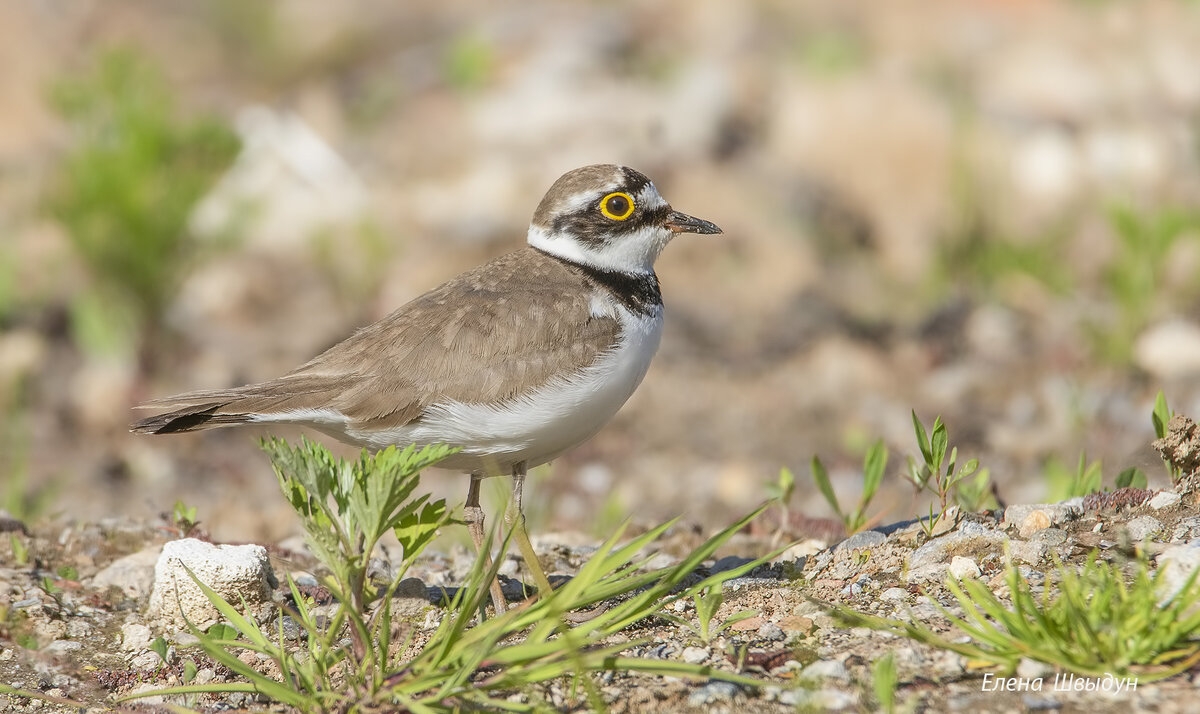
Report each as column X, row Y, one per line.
column 514, row 362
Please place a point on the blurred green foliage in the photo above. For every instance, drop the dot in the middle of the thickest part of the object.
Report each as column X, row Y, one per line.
column 1137, row 277
column 125, row 190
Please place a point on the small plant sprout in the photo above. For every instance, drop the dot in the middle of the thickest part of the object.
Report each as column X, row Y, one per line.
column 939, row 472
column 1160, row 418
column 780, row 493
column 1100, row 622
column 183, row 517
column 874, row 465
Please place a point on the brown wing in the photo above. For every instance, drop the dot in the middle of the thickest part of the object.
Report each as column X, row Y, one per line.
column 488, row 335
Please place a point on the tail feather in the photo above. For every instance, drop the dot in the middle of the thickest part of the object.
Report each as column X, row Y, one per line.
column 193, row 418
column 276, row 401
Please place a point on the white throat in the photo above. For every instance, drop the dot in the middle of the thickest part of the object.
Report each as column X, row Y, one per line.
column 630, row 253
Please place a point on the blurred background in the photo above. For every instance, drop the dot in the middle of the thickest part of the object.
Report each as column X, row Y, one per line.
column 983, row 210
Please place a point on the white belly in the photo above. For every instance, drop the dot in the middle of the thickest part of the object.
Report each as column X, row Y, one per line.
column 541, row 425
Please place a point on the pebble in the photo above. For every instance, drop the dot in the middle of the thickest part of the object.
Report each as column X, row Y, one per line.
column 1186, row 529
column 59, row 648
column 712, row 692
column 771, row 631
column 1031, row 552
column 961, row 568
column 1165, row 499
column 1050, row 537
column 1143, row 527
column 135, row 636
column 1177, row 563
column 862, row 539
column 694, row 655
column 826, row 669
column 132, row 574
column 897, row 594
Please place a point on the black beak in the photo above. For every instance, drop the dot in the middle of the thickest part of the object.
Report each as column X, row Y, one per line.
column 683, row 223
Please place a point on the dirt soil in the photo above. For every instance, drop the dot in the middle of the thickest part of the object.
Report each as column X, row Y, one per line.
column 85, row 640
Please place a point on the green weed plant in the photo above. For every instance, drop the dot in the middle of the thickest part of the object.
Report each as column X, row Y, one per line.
column 354, row 660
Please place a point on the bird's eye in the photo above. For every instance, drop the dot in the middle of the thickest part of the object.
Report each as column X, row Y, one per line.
column 617, row 206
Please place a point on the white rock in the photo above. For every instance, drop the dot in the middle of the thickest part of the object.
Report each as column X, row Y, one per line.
column 961, row 567
column 1177, row 563
column 235, row 572
column 1164, row 499
column 694, row 655
column 135, row 636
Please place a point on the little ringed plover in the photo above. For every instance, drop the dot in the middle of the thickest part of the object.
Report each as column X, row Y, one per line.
column 515, row 362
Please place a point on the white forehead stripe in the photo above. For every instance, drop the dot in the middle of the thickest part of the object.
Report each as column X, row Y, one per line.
column 648, row 197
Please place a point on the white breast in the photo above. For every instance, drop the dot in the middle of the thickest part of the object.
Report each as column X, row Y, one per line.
column 538, row 426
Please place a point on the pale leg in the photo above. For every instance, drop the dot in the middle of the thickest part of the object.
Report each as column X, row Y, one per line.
column 473, row 515
column 514, row 518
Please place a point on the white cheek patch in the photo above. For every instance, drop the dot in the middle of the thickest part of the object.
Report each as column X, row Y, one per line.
column 628, row 253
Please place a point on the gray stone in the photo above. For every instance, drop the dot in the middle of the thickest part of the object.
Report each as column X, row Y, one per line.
column 939, row 551
column 694, row 655
column 771, row 631
column 1165, row 499
column 1143, row 527
column 1031, row 552
column 238, row 573
column 862, row 539
column 897, row 594
column 133, row 574
column 825, row 669
column 1186, row 529
column 411, row 588
column 1049, row 537
column 712, row 692
column 59, row 648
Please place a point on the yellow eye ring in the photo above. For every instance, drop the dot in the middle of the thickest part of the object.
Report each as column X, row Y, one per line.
column 617, row 206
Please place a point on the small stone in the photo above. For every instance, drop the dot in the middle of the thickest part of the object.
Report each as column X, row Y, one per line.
column 1143, row 527
column 712, row 692
column 146, row 661
column 1034, row 522
column 896, row 594
column 1049, row 537
column 797, row 625
column 750, row 624
column 962, row 568
column 411, row 588
column 771, row 631
column 1177, row 563
column 59, row 648
column 862, row 539
column 1165, row 499
column 694, row 655
column 135, row 636
column 825, row 669
column 133, row 574
column 1031, row 552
